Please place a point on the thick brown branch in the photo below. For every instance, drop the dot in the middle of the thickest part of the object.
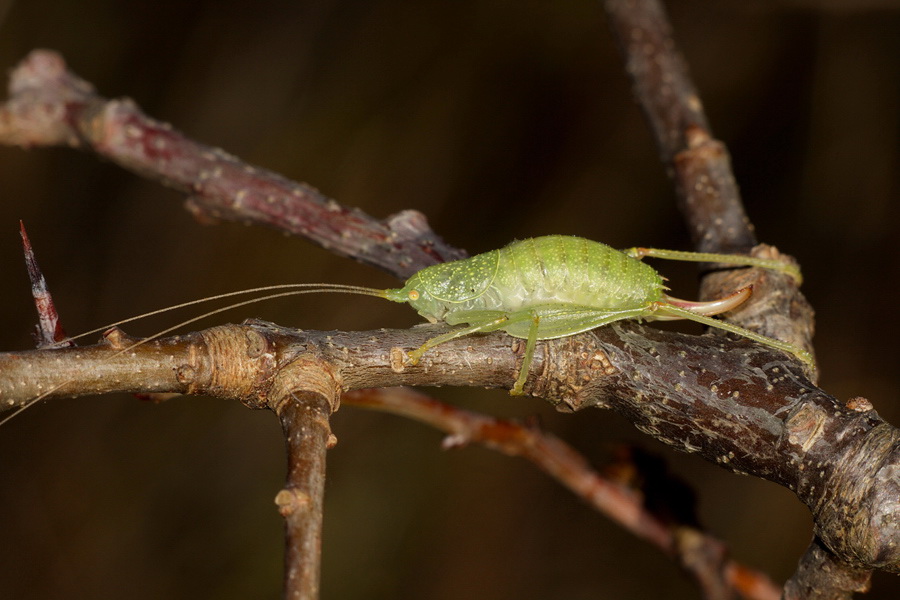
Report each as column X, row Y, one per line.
column 821, row 576
column 735, row 403
column 50, row 106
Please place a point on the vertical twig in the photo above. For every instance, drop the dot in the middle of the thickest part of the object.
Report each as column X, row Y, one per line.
column 707, row 192
column 708, row 195
column 304, row 415
column 700, row 167
column 304, row 421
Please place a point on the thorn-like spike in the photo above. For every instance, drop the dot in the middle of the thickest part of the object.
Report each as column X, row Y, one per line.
column 49, row 332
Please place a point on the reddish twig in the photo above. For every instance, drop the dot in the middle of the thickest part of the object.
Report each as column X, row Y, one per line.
column 699, row 553
column 50, row 106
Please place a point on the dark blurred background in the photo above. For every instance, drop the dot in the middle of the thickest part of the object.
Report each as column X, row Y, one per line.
column 498, row 120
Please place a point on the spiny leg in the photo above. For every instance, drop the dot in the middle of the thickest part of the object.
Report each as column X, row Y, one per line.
column 730, row 259
column 803, row 355
column 517, row 389
column 584, row 320
column 484, row 326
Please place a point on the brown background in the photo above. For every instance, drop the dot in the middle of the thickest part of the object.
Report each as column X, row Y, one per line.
column 497, row 119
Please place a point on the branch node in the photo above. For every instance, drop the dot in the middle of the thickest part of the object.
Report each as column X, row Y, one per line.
column 307, row 374
column 241, row 360
column 859, row 404
column 290, row 501
column 118, row 339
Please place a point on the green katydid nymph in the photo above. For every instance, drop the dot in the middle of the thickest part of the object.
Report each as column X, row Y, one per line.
column 555, row 286
column 535, row 289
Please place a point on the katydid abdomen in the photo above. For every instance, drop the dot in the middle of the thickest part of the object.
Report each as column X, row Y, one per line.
column 572, row 271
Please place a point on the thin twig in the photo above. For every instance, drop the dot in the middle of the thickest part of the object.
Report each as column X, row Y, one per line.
column 707, row 192
column 307, row 436
column 565, row 464
column 304, row 394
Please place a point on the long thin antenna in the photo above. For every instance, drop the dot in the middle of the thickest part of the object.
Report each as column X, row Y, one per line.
column 323, row 287
column 307, row 288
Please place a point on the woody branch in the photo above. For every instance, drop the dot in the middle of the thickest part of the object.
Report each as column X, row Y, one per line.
column 740, row 423
column 632, row 350
column 710, row 202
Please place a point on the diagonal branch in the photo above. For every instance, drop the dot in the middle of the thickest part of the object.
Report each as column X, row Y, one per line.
column 50, row 106
column 707, row 192
column 699, row 553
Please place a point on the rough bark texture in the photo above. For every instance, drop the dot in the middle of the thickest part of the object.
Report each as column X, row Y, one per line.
column 735, row 403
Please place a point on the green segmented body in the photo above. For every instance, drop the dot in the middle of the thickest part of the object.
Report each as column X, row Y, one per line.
column 554, row 286
column 546, row 276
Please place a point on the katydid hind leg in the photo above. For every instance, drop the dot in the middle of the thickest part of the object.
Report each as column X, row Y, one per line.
column 559, row 322
column 713, row 257
column 801, row 354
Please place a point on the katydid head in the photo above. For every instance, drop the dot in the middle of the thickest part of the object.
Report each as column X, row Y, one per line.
column 418, row 296
column 458, row 281
column 434, row 290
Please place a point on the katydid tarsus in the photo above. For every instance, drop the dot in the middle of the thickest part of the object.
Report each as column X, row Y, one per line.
column 535, row 289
